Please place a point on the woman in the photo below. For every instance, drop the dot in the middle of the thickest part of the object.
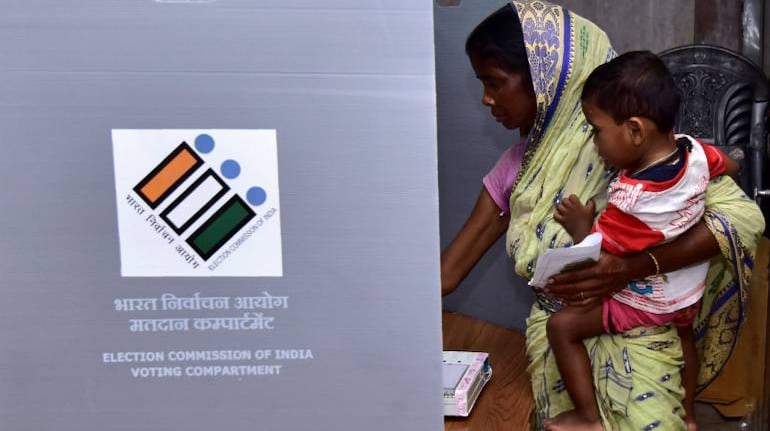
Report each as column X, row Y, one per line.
column 532, row 58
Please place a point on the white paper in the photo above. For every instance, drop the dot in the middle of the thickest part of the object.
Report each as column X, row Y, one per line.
column 555, row 260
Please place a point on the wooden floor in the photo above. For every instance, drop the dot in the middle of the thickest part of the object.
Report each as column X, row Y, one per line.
column 506, row 401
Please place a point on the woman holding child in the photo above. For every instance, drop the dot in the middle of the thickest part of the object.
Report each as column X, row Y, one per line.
column 532, row 58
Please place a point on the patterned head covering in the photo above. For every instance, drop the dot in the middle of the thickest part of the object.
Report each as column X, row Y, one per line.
column 562, row 50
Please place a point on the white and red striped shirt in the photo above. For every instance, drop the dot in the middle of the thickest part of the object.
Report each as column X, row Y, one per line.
column 642, row 212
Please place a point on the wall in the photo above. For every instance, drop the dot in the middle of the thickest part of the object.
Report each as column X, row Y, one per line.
column 348, row 85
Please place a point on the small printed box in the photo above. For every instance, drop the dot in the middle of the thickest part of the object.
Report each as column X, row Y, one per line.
column 464, row 375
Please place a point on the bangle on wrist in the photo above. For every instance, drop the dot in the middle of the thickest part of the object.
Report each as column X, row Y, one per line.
column 655, row 261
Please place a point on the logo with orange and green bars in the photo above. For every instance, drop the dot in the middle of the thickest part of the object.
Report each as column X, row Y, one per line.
column 200, row 207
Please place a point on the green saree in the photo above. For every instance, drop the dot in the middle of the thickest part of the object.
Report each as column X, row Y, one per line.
column 636, row 374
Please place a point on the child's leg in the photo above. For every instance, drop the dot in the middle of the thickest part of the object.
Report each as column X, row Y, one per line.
column 689, row 374
column 566, row 331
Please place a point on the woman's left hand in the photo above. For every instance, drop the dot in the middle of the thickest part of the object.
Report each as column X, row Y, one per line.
column 608, row 275
column 612, row 273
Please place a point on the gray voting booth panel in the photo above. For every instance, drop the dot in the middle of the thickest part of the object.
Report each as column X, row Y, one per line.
column 348, row 87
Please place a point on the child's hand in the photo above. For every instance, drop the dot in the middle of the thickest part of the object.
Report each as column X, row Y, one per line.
column 576, row 218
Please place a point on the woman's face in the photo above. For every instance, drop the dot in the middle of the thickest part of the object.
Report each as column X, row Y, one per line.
column 509, row 95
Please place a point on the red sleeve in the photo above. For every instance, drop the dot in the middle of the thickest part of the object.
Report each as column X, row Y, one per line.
column 715, row 158
column 623, row 233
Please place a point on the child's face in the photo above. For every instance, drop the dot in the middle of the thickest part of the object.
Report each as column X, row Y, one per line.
column 613, row 141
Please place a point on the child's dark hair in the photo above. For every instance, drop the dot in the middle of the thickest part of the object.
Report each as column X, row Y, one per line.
column 635, row 84
column 499, row 38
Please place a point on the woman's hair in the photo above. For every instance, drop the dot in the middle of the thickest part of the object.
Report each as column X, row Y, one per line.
column 499, row 38
column 635, row 84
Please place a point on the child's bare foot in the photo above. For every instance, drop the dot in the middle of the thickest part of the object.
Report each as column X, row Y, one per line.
column 576, row 218
column 691, row 424
column 573, row 420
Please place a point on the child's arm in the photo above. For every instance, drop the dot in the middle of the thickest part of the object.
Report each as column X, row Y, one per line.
column 732, row 167
column 720, row 163
column 576, row 218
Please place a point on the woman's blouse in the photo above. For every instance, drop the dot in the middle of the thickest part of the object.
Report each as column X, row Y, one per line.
column 499, row 180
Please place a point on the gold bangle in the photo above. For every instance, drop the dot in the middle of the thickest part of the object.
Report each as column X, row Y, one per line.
column 655, row 261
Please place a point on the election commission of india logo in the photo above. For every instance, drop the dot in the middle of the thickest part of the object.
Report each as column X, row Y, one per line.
column 197, row 203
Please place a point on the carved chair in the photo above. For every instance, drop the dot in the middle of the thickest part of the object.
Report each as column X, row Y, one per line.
column 724, row 102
